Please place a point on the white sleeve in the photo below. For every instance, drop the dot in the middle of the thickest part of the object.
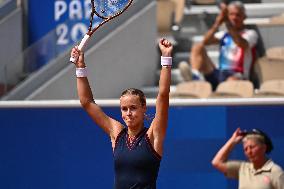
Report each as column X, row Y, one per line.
column 251, row 37
column 278, row 178
column 279, row 182
column 219, row 35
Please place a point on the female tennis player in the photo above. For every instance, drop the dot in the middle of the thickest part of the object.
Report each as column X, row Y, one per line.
column 137, row 150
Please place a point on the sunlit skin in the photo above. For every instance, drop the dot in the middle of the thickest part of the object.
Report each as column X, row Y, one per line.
column 236, row 17
column 255, row 152
column 133, row 107
column 132, row 113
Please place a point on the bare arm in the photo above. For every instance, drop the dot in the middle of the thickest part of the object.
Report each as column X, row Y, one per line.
column 209, row 37
column 109, row 125
column 219, row 161
column 157, row 130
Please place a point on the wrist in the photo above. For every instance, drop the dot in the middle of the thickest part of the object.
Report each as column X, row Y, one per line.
column 216, row 25
column 166, row 55
column 80, row 65
column 233, row 142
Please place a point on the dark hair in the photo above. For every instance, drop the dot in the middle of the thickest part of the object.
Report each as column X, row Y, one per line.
column 266, row 140
column 137, row 92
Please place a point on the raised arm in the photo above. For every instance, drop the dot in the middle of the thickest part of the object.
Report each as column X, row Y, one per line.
column 109, row 125
column 209, row 37
column 157, row 130
column 219, row 161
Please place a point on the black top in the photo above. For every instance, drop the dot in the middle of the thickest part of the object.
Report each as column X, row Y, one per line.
column 137, row 164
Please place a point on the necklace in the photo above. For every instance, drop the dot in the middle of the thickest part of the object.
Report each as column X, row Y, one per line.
column 131, row 139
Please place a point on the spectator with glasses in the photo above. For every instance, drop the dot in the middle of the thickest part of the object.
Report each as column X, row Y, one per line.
column 259, row 171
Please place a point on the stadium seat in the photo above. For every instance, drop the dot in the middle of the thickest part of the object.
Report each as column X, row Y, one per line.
column 277, row 20
column 271, row 88
column 275, row 53
column 234, row 88
column 269, row 69
column 204, row 2
column 192, row 89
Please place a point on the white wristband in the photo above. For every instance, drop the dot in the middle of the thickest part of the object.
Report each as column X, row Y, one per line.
column 166, row 61
column 81, row 72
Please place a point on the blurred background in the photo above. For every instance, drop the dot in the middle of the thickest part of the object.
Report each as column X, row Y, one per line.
column 46, row 139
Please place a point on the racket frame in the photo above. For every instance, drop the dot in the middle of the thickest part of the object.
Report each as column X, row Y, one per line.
column 91, row 31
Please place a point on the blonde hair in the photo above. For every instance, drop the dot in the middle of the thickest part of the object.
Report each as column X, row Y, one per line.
column 256, row 137
column 260, row 137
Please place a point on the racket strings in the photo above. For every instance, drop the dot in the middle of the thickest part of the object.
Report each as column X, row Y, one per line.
column 105, row 10
column 109, row 8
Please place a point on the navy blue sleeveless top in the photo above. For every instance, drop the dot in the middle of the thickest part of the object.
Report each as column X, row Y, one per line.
column 137, row 164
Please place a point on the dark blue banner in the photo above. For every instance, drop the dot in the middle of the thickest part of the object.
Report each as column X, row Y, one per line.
column 69, row 18
column 62, row 148
column 54, row 26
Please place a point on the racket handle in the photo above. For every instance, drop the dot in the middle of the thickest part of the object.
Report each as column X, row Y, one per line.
column 82, row 44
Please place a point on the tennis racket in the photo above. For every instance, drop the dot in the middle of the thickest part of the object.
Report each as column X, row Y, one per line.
column 104, row 10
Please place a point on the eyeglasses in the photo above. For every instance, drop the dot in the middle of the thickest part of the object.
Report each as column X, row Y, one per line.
column 253, row 131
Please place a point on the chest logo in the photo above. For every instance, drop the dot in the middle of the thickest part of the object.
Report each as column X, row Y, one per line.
column 266, row 180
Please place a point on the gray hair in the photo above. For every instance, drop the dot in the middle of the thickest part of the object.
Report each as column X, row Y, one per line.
column 239, row 5
column 256, row 137
column 260, row 137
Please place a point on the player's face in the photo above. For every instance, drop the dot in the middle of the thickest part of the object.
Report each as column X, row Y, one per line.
column 254, row 150
column 236, row 17
column 132, row 110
